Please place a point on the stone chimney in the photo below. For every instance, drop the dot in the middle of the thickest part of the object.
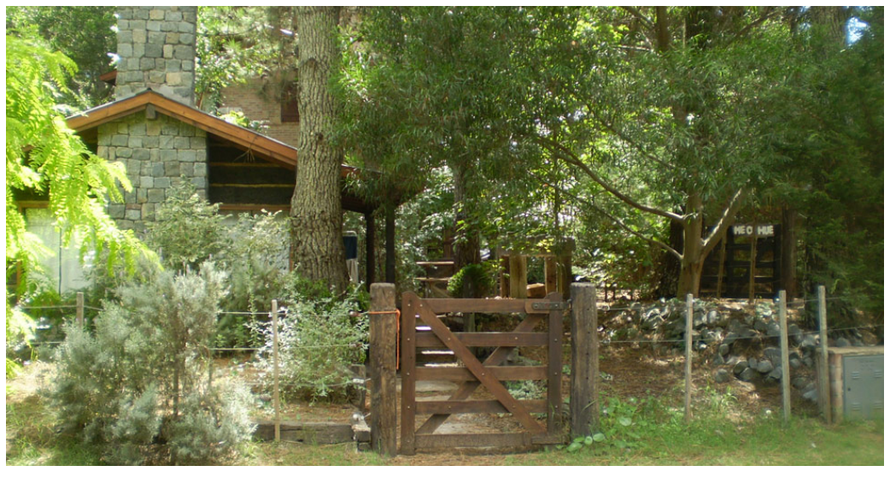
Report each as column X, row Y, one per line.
column 156, row 46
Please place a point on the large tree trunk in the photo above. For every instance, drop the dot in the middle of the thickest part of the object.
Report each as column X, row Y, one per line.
column 316, row 216
column 693, row 256
column 466, row 243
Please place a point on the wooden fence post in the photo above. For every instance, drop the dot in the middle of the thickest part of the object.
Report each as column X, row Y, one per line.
column 688, row 375
column 822, row 362
column 275, row 371
column 786, row 371
column 80, row 310
column 585, row 361
column 384, row 336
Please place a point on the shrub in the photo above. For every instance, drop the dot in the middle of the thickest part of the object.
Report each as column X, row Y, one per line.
column 319, row 338
column 473, row 280
column 143, row 384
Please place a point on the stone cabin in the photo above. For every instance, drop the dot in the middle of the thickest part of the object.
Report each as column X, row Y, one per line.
column 153, row 127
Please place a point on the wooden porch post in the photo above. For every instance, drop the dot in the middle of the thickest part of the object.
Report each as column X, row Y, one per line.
column 370, row 263
column 384, row 399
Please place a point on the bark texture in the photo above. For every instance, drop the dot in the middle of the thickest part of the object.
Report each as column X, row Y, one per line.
column 317, row 250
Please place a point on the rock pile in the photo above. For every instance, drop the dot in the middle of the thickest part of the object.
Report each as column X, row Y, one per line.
column 741, row 341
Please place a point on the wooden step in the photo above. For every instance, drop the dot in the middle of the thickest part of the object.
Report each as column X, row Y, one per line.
column 434, row 263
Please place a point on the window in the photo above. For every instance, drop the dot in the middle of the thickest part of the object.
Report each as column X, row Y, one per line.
column 290, row 111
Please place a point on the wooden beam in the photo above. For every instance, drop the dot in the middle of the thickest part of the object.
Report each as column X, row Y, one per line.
column 390, row 243
column 370, row 262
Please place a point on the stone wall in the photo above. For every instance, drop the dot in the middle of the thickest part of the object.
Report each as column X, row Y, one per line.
column 156, row 46
column 159, row 154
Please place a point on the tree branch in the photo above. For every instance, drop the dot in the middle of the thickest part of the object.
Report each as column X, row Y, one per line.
column 633, row 144
column 639, row 15
column 725, row 220
column 617, row 221
column 768, row 14
column 568, row 156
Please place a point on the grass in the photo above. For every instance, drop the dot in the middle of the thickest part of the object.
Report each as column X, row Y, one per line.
column 635, row 432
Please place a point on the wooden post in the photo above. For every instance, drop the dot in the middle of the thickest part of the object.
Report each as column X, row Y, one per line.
column 370, row 263
column 275, row 371
column 551, row 280
column 689, row 322
column 822, row 371
column 585, row 361
column 721, row 264
column 503, row 277
column 752, row 274
column 518, row 276
column 384, row 401
column 786, row 370
column 80, row 310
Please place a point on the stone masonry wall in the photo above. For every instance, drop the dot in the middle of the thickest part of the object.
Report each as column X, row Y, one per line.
column 156, row 46
column 159, row 154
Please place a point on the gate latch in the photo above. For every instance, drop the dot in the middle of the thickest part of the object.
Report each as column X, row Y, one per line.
column 547, row 305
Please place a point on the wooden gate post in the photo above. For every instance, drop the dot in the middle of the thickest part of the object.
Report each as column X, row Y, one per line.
column 384, row 399
column 585, row 361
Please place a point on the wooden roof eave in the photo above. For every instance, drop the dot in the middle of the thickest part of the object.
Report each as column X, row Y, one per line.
column 245, row 138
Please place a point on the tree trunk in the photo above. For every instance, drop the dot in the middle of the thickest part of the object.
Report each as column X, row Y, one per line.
column 317, row 250
column 466, row 242
column 693, row 256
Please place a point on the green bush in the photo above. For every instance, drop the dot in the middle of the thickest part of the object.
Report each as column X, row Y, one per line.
column 473, row 280
column 142, row 385
column 319, row 339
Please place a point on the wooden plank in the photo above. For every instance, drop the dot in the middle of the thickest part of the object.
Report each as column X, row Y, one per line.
column 474, row 406
column 483, row 374
column 584, row 399
column 537, row 373
column 384, row 399
column 497, row 357
column 429, row 340
column 443, row 305
column 254, row 207
column 310, row 433
column 554, row 364
column 409, row 371
column 242, row 185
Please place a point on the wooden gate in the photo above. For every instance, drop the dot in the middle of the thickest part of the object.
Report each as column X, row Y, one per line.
column 421, row 328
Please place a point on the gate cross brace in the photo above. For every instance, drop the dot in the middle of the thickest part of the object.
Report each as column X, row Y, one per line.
column 497, row 357
column 477, row 369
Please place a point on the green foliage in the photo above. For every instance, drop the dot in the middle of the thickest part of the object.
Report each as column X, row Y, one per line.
column 145, row 377
column 473, row 280
column 44, row 157
column 187, row 231
column 319, row 338
column 84, row 34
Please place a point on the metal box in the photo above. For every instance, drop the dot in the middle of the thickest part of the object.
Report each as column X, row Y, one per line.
column 857, row 384
column 864, row 387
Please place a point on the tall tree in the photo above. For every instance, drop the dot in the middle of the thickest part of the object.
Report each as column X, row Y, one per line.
column 84, row 34
column 424, row 91
column 316, row 230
